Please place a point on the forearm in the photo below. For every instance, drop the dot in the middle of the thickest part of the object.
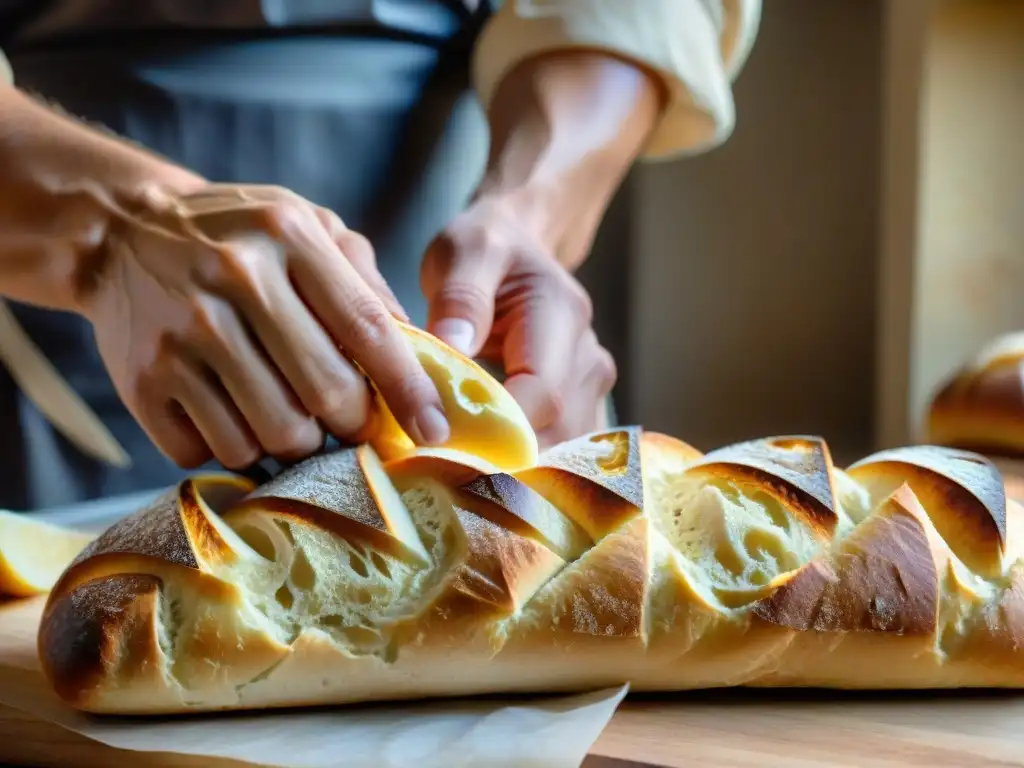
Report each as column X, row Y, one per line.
column 61, row 183
column 565, row 129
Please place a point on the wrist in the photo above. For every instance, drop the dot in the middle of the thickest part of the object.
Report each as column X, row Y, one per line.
column 565, row 130
column 64, row 186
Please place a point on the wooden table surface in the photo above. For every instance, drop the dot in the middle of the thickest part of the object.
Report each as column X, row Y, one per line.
column 738, row 729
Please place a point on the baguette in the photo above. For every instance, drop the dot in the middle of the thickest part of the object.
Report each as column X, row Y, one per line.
column 621, row 556
column 33, row 554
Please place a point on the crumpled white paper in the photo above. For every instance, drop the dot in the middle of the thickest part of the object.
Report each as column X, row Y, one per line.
column 551, row 733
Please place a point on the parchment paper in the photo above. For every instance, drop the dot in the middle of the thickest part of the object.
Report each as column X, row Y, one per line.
column 551, row 733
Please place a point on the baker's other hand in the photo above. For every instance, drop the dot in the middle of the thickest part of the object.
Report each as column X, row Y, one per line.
column 496, row 292
column 565, row 127
column 240, row 321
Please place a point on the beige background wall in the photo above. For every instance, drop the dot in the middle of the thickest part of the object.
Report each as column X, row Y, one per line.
column 858, row 238
column 753, row 287
column 969, row 281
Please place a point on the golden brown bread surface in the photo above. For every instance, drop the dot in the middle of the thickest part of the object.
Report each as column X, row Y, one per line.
column 981, row 407
column 619, row 556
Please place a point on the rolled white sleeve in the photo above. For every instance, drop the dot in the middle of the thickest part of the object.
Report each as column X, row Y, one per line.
column 697, row 46
column 6, row 73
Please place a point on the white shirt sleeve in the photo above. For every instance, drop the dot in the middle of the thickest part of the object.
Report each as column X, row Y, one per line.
column 697, row 46
column 6, row 74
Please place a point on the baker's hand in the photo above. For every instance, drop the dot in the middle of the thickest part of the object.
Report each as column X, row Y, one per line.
column 222, row 316
column 496, row 292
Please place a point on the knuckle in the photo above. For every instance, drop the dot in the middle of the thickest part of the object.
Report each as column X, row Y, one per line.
column 371, row 325
column 239, row 455
column 551, row 406
column 475, row 237
column 278, row 213
column 578, row 300
column 153, row 374
column 352, row 242
column 465, row 296
column 481, row 238
column 209, row 322
column 406, row 393
column 190, row 456
column 296, row 439
column 339, row 402
column 233, row 267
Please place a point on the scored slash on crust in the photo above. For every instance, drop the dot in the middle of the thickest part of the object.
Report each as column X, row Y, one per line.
column 620, row 556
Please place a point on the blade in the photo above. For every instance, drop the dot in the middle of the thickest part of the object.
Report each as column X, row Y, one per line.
column 53, row 396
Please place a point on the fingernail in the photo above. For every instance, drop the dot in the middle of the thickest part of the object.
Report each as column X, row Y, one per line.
column 456, row 333
column 432, row 426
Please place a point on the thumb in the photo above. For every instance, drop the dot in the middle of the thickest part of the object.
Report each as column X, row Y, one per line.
column 460, row 285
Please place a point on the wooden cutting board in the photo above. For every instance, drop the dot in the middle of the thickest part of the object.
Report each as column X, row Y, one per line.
column 738, row 729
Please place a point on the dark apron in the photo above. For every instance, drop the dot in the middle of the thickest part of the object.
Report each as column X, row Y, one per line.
column 378, row 124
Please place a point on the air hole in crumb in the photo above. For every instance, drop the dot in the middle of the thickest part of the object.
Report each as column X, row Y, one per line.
column 762, row 546
column 361, row 635
column 474, row 391
column 773, row 508
column 260, row 542
column 286, row 530
column 364, row 596
column 358, row 564
column 450, row 539
column 729, row 559
column 332, row 621
column 284, row 597
column 380, row 564
column 758, row 578
column 303, row 575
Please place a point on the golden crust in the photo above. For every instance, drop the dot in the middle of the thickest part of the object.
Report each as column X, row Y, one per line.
column 101, row 630
column 796, row 470
column 881, row 578
column 596, row 479
column 518, row 508
column 963, row 493
column 547, row 577
column 176, row 528
column 599, row 600
column 981, row 406
column 340, row 493
column 448, row 467
column 494, row 577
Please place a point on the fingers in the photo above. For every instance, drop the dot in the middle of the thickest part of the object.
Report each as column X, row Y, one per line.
column 190, row 418
column 359, row 321
column 328, row 386
column 282, row 426
column 276, row 314
column 463, row 270
column 586, row 409
column 357, row 249
column 541, row 346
